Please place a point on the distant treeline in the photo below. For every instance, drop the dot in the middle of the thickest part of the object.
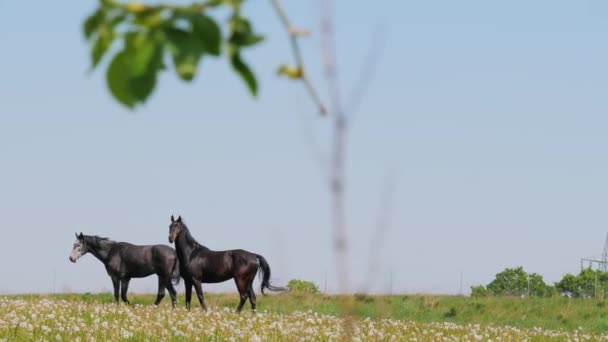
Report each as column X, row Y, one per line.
column 517, row 282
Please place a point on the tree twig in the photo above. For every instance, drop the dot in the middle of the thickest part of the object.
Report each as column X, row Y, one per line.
column 337, row 186
column 139, row 8
column 316, row 152
column 367, row 73
column 383, row 223
column 294, row 34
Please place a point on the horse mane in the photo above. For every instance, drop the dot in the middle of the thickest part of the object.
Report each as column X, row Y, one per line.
column 190, row 239
column 98, row 240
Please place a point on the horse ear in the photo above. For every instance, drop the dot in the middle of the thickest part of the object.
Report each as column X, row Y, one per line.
column 172, row 219
column 179, row 219
column 81, row 236
column 76, row 235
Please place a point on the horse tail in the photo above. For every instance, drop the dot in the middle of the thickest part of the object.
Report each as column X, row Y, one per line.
column 264, row 272
column 175, row 275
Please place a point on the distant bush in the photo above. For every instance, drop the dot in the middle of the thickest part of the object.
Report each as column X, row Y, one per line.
column 365, row 298
column 479, row 291
column 450, row 313
column 298, row 285
column 515, row 282
column 587, row 284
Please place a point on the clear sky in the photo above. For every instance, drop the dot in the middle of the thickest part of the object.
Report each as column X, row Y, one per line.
column 494, row 115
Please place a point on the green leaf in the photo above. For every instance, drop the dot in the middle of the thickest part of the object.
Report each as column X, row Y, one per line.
column 131, row 79
column 118, row 79
column 142, row 50
column 149, row 19
column 208, row 32
column 245, row 72
column 142, row 86
column 92, row 23
column 101, row 46
column 142, row 58
column 236, row 4
column 117, row 19
column 290, row 72
column 186, row 50
column 185, row 67
column 144, row 68
column 242, row 32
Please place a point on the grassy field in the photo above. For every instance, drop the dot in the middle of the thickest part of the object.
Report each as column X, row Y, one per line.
column 555, row 314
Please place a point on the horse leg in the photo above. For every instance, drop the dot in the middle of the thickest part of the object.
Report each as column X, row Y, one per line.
column 161, row 290
column 124, row 287
column 188, row 285
column 241, row 285
column 172, row 291
column 250, row 292
column 116, row 284
column 251, row 295
column 199, row 293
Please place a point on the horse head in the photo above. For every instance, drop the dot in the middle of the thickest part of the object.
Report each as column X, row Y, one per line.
column 175, row 228
column 80, row 248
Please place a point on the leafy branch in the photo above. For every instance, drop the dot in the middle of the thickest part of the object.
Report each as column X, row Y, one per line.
column 148, row 35
column 296, row 72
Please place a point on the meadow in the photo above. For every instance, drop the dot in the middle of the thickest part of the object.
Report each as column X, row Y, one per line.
column 302, row 317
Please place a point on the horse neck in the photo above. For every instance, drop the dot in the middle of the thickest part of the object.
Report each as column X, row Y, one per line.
column 185, row 244
column 100, row 249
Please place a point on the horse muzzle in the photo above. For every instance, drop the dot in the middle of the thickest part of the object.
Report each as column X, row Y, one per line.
column 72, row 259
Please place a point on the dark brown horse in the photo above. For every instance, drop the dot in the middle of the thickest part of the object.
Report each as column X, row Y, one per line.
column 199, row 264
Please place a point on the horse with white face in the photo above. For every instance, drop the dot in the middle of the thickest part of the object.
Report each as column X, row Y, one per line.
column 124, row 261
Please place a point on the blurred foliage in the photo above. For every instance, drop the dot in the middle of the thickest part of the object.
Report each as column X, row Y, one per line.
column 479, row 291
column 588, row 283
column 515, row 282
column 139, row 39
column 556, row 313
column 297, row 285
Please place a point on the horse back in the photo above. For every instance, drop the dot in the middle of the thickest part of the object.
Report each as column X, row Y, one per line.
column 141, row 261
column 218, row 266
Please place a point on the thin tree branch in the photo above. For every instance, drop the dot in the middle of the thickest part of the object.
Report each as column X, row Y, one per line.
column 294, row 34
column 329, row 61
column 383, row 224
column 337, row 186
column 368, row 71
column 314, row 148
column 338, row 147
column 139, row 8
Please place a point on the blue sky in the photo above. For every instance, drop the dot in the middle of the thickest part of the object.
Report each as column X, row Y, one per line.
column 493, row 114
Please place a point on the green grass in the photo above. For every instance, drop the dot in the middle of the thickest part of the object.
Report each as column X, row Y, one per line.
column 549, row 313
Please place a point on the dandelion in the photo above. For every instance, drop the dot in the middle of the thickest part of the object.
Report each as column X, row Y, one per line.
column 108, row 322
column 255, row 338
column 125, row 333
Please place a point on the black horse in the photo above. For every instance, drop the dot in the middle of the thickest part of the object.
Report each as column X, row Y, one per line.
column 124, row 261
column 199, row 264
